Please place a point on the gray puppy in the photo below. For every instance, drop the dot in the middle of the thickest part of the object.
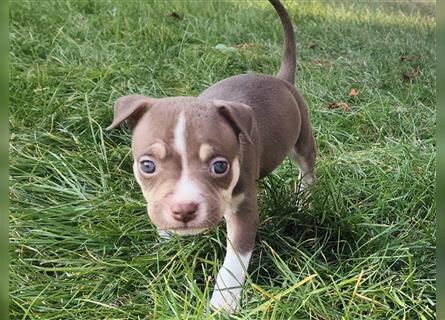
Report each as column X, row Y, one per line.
column 198, row 159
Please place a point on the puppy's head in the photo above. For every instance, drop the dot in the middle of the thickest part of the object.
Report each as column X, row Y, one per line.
column 186, row 156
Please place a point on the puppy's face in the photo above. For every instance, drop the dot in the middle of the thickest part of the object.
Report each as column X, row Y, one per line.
column 186, row 161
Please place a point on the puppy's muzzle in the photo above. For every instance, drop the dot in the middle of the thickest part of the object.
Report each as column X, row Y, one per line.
column 184, row 211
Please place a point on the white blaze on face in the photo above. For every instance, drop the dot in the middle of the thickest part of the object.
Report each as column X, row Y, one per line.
column 180, row 144
column 185, row 190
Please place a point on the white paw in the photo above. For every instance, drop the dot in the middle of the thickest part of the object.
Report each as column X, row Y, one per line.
column 227, row 300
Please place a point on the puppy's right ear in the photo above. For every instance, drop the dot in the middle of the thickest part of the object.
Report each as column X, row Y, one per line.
column 130, row 108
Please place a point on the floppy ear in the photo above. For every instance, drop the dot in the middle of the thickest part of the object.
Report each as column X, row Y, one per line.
column 239, row 116
column 128, row 108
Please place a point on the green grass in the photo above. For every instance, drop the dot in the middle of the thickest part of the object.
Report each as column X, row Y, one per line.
column 81, row 246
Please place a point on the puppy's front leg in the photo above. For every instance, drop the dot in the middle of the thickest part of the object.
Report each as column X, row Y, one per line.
column 241, row 230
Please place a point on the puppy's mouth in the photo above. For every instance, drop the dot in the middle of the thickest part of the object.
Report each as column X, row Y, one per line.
column 184, row 231
column 187, row 231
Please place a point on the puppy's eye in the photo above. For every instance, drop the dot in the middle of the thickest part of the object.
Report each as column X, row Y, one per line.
column 219, row 167
column 148, row 166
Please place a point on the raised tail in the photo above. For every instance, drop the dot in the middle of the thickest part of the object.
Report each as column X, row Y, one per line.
column 289, row 59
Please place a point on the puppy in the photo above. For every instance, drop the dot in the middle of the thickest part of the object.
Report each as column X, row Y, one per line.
column 197, row 159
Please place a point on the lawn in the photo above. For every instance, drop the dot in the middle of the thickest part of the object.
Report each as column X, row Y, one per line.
column 81, row 245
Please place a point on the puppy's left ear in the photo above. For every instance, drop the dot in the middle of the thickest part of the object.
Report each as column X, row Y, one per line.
column 130, row 108
column 239, row 116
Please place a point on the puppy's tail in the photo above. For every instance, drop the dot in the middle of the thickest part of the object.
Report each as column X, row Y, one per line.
column 288, row 62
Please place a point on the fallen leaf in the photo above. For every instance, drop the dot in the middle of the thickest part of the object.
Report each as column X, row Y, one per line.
column 319, row 62
column 337, row 105
column 245, row 45
column 410, row 75
column 411, row 57
column 406, row 76
column 174, row 15
column 430, row 18
column 353, row 92
column 224, row 48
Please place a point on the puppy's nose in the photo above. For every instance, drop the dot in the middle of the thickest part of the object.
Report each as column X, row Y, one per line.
column 184, row 211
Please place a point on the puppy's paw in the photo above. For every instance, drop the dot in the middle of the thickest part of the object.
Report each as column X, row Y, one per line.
column 304, row 182
column 227, row 300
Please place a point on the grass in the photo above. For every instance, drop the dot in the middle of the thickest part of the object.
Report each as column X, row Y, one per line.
column 81, row 246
